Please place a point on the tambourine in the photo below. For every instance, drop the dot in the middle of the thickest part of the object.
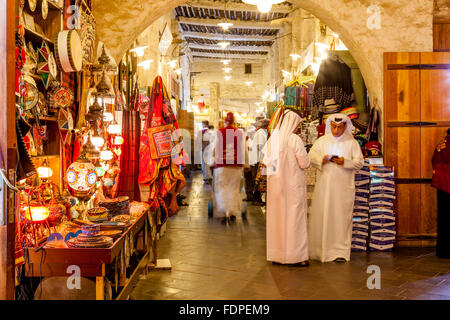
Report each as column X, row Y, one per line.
column 69, row 52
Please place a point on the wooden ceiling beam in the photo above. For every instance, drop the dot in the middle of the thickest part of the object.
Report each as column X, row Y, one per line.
column 230, row 48
column 281, row 8
column 229, row 37
column 236, row 23
column 229, row 56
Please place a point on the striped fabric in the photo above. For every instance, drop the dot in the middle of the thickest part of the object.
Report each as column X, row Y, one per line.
column 350, row 112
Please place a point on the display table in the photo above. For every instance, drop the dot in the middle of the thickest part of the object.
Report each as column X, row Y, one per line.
column 97, row 262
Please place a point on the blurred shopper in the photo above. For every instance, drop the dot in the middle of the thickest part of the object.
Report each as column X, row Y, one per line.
column 227, row 159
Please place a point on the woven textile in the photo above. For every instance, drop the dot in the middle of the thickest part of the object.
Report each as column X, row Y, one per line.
column 129, row 159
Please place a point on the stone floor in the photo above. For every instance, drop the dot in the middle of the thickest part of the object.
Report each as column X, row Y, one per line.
column 213, row 261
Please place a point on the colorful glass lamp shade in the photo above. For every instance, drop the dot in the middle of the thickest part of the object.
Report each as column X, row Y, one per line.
column 106, row 155
column 36, row 214
column 44, row 171
column 118, row 140
column 82, row 177
column 114, row 128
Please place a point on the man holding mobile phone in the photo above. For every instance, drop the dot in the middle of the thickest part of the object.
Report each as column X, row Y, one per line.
column 336, row 155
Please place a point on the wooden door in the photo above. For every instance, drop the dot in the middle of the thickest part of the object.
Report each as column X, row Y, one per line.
column 417, row 114
column 402, row 139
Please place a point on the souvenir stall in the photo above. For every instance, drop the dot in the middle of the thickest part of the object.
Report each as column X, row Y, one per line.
column 78, row 144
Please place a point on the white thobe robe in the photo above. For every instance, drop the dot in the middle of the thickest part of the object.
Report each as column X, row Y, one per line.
column 287, row 239
column 330, row 220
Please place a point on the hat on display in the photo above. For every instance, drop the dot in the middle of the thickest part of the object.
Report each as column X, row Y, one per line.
column 350, row 112
column 330, row 106
column 373, row 149
column 362, row 122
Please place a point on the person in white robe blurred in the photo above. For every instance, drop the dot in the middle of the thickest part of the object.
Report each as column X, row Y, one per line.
column 286, row 159
column 337, row 156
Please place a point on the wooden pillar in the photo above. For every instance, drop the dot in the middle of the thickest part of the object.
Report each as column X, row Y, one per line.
column 7, row 145
column 441, row 35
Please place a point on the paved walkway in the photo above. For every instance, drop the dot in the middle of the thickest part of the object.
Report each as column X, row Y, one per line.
column 213, row 261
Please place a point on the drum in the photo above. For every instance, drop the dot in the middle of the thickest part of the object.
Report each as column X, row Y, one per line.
column 69, row 53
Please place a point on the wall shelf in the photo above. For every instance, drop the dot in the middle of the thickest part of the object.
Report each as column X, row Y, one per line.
column 37, row 37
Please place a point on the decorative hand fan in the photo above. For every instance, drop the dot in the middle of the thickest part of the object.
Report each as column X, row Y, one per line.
column 65, row 124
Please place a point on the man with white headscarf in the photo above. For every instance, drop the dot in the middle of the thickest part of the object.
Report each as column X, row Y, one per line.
column 337, row 156
column 286, row 159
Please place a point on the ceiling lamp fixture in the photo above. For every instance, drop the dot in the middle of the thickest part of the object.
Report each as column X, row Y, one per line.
column 172, row 63
column 263, row 6
column 178, row 71
column 225, row 62
column 225, row 25
column 248, row 83
column 145, row 64
column 223, row 44
column 295, row 56
column 227, row 78
column 227, row 70
column 139, row 50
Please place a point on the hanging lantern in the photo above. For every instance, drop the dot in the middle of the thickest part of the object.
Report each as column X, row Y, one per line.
column 108, row 117
column 81, row 177
column 98, row 141
column 44, row 171
column 114, row 128
column 106, row 155
column 95, row 112
column 118, row 140
column 90, row 150
column 36, row 213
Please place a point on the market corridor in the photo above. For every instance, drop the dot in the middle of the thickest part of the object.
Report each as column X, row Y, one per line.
column 211, row 261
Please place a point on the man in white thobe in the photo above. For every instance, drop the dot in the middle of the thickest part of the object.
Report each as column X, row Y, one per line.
column 286, row 159
column 336, row 155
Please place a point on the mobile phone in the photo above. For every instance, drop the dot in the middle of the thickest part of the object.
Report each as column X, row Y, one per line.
column 333, row 158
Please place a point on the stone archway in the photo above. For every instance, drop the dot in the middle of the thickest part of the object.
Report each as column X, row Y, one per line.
column 404, row 26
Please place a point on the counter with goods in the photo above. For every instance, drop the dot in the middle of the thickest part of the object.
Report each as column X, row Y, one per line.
column 117, row 249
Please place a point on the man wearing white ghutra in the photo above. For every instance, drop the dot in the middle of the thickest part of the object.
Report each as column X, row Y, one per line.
column 337, row 156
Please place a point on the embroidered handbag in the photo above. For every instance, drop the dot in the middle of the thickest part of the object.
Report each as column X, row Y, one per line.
column 160, row 141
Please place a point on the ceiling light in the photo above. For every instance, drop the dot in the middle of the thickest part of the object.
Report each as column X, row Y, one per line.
column 223, row 44
column 248, row 83
column 139, row 50
column 145, row 64
column 225, row 25
column 295, row 56
column 263, row 6
column 178, row 71
column 227, row 70
column 225, row 62
column 227, row 78
column 172, row 63
column 335, row 35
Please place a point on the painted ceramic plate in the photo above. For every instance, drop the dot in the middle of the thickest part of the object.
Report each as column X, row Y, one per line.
column 63, row 97
column 31, row 97
column 44, row 9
